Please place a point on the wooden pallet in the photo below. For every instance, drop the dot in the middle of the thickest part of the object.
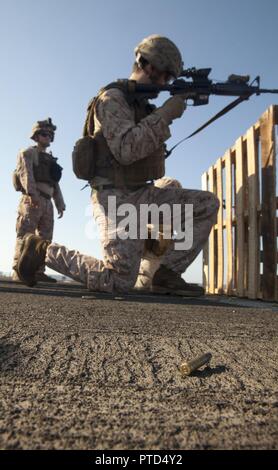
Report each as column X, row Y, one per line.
column 240, row 257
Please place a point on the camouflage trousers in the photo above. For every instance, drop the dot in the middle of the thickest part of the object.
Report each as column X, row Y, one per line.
column 118, row 270
column 38, row 220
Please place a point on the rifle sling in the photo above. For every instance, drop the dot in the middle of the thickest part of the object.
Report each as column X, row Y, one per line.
column 216, row 116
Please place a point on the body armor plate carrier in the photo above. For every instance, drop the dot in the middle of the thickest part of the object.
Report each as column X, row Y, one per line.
column 99, row 160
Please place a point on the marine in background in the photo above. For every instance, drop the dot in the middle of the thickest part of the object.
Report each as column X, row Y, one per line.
column 37, row 177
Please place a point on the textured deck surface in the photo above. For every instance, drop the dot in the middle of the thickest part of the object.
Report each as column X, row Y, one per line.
column 102, row 373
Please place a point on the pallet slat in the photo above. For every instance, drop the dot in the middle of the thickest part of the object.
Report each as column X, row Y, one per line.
column 220, row 243
column 269, row 230
column 240, row 209
column 253, row 200
column 206, row 247
column 212, row 251
column 229, row 215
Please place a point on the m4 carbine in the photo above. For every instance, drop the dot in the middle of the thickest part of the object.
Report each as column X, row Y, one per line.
column 200, row 87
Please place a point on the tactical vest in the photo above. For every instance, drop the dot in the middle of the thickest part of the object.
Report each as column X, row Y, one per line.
column 150, row 168
column 47, row 171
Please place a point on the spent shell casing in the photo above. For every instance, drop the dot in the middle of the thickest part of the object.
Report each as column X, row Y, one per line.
column 187, row 367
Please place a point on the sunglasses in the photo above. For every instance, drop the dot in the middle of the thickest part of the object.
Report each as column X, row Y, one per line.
column 46, row 134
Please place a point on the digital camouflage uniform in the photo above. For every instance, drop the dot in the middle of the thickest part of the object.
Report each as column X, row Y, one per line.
column 130, row 142
column 38, row 220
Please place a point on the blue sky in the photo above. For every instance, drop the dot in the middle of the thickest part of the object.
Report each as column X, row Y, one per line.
column 55, row 56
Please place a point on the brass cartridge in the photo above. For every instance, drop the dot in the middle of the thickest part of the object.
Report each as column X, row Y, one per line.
column 186, row 368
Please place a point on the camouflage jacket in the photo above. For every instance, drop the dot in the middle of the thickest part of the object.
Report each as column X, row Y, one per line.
column 128, row 141
column 25, row 162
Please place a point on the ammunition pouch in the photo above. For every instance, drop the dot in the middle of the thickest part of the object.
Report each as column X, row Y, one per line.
column 84, row 157
column 56, row 172
column 47, row 171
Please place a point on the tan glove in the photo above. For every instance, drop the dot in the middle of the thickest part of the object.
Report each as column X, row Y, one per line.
column 172, row 109
column 34, row 200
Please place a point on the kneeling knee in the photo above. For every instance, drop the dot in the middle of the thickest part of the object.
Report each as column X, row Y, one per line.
column 167, row 182
column 215, row 201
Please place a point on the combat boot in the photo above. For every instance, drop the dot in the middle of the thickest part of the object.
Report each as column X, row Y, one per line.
column 42, row 277
column 166, row 281
column 32, row 257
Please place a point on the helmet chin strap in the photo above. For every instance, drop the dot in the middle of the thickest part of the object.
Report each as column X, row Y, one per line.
column 154, row 76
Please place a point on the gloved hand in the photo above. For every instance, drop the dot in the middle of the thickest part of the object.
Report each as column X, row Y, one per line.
column 172, row 109
column 34, row 201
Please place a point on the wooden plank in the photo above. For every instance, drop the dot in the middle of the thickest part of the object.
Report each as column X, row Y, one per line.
column 269, row 229
column 240, row 191
column 275, row 114
column 220, row 245
column 206, row 247
column 229, row 214
column 212, row 253
column 244, row 137
column 253, row 200
column 234, row 232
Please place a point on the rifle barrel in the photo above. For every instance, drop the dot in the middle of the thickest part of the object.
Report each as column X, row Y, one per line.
column 220, row 89
column 265, row 90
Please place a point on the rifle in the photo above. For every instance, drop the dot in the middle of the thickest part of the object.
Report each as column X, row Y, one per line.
column 200, row 87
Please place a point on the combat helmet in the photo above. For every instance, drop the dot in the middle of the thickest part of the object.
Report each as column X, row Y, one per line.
column 46, row 125
column 162, row 53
